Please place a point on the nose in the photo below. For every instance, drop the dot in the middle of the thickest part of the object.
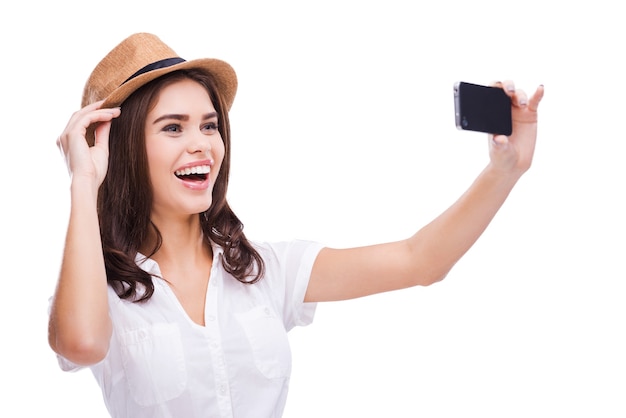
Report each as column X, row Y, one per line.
column 199, row 143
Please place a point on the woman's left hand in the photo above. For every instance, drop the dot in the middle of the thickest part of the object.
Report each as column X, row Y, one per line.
column 514, row 154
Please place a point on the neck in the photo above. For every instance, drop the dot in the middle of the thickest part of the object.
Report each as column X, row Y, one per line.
column 183, row 242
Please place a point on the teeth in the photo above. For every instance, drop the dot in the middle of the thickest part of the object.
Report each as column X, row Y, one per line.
column 200, row 169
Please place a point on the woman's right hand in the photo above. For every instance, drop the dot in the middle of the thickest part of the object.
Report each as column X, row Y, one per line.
column 82, row 160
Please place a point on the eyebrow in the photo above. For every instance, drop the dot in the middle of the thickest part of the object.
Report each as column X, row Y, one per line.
column 183, row 118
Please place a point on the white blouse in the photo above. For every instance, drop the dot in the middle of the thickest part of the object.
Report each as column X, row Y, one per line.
column 162, row 364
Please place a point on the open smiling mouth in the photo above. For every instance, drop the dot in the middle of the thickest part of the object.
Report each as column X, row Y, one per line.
column 198, row 173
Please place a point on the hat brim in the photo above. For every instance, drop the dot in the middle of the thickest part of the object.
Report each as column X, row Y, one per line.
column 222, row 72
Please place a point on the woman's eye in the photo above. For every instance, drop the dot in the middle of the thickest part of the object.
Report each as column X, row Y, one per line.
column 211, row 126
column 172, row 128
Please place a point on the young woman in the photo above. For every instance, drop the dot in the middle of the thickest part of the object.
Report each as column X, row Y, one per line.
column 160, row 292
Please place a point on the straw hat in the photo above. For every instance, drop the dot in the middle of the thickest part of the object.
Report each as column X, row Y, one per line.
column 141, row 58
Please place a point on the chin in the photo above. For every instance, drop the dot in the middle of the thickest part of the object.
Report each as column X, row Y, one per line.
column 202, row 208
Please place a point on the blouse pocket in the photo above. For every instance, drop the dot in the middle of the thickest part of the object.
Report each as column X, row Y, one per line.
column 268, row 340
column 154, row 363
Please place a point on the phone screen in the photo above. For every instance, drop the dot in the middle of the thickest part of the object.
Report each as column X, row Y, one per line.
column 482, row 109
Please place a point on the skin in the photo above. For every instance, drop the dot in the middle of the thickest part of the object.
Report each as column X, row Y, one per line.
column 80, row 328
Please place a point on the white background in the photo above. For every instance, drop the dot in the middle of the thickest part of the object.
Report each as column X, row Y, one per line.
column 344, row 133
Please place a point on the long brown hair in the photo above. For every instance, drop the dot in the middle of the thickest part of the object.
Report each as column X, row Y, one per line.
column 125, row 197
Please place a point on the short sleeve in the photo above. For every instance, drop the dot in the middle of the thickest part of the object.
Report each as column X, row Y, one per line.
column 66, row 365
column 288, row 267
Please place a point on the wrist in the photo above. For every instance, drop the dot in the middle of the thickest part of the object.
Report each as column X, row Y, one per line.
column 84, row 187
column 506, row 177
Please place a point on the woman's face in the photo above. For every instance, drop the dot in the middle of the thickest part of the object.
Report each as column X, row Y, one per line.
column 184, row 148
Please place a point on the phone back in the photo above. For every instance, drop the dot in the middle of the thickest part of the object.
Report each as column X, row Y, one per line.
column 482, row 109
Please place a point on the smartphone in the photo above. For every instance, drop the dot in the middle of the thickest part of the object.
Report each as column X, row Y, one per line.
column 482, row 109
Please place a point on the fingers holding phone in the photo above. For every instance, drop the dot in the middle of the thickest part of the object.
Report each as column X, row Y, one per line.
column 515, row 152
column 506, row 114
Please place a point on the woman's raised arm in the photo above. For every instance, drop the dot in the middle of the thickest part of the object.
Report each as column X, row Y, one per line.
column 428, row 255
column 79, row 325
